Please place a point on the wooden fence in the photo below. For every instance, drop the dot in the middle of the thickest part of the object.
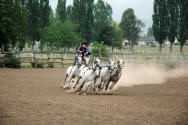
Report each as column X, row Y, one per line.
column 68, row 58
column 41, row 58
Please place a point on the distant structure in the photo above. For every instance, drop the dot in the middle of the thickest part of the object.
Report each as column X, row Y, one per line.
column 146, row 41
column 143, row 41
column 150, row 41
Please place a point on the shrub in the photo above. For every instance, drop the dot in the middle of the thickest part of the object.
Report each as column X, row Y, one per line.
column 99, row 49
column 37, row 65
column 51, row 65
column 11, row 61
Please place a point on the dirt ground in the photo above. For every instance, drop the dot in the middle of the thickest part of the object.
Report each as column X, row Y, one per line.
column 33, row 97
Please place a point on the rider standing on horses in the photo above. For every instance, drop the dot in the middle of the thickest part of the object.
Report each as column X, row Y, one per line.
column 83, row 50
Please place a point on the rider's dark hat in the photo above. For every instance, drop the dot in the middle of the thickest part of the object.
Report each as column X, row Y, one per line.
column 84, row 43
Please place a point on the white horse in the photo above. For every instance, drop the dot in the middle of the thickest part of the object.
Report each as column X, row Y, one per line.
column 86, row 64
column 105, row 75
column 89, row 75
column 87, row 60
column 82, row 68
column 72, row 71
column 115, row 75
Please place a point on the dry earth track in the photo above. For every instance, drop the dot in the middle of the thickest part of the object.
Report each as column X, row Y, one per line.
column 33, row 97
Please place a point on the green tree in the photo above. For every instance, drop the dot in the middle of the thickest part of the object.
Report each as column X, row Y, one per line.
column 69, row 12
column 13, row 21
column 186, row 16
column 45, row 11
column 112, row 35
column 102, row 18
column 100, row 50
column 117, row 36
column 182, row 33
column 150, row 31
column 60, row 35
column 106, row 35
column 160, row 22
column 131, row 27
column 61, row 10
column 38, row 18
column 172, row 9
column 82, row 14
column 51, row 18
column 23, row 2
column 34, row 21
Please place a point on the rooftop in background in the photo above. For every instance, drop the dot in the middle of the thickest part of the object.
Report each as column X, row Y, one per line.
column 147, row 39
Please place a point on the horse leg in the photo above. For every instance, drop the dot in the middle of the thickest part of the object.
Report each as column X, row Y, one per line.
column 68, row 81
column 104, row 85
column 62, row 85
column 107, row 85
column 95, row 80
column 77, row 81
column 81, row 86
column 65, row 78
column 85, row 91
column 111, row 87
column 98, row 85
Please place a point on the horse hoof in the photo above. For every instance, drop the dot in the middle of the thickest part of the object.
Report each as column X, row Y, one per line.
column 84, row 94
column 78, row 93
column 65, row 87
column 61, row 85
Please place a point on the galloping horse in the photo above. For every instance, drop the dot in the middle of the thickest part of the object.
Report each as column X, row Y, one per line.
column 89, row 75
column 72, row 71
column 115, row 75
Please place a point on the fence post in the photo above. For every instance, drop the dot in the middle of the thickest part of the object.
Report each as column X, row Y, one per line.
column 34, row 58
column 48, row 58
column 3, row 59
column 48, row 62
column 62, row 60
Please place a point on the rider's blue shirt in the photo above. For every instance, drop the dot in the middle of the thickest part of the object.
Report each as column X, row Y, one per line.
column 84, row 50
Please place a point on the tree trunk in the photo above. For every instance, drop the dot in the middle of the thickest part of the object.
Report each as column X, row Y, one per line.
column 132, row 49
column 171, row 48
column 160, row 48
column 181, row 49
column 2, row 48
column 33, row 44
column 112, row 49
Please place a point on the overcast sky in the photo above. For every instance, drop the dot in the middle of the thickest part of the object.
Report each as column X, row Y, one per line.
column 143, row 9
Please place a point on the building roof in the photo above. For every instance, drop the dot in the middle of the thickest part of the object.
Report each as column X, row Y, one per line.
column 146, row 39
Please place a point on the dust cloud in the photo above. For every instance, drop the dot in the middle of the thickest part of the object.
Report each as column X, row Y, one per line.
column 139, row 74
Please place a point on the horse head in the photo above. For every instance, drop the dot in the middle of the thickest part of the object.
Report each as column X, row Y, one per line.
column 96, row 63
column 111, row 64
column 79, row 62
column 120, row 63
column 87, row 60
